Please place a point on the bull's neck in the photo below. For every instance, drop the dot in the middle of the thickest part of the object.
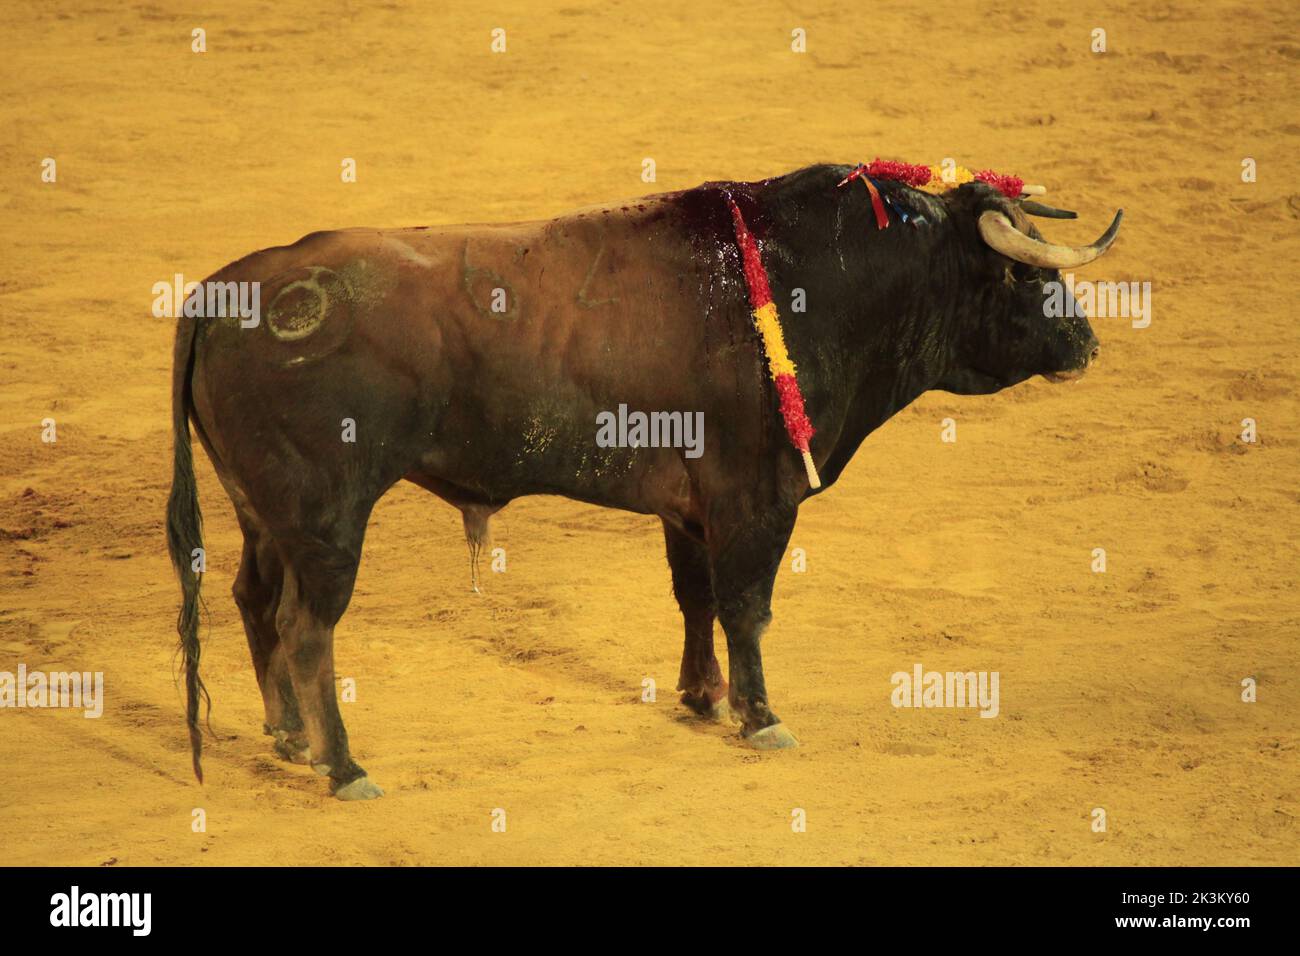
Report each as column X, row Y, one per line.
column 874, row 333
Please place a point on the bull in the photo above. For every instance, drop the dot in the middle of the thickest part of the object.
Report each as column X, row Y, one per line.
column 475, row 362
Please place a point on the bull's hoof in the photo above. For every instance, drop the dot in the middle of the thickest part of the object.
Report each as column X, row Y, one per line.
column 321, row 768
column 292, row 747
column 775, row 737
column 359, row 789
column 718, row 710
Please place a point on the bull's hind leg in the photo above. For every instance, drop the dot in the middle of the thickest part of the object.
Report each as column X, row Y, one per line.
column 318, row 580
column 700, row 681
column 257, row 593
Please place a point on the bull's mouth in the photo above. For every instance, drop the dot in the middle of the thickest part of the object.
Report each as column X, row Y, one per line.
column 972, row 382
column 1071, row 374
column 1057, row 377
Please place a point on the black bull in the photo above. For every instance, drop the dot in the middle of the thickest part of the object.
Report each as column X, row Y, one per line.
column 474, row 361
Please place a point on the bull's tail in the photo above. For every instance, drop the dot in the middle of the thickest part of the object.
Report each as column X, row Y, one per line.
column 185, row 532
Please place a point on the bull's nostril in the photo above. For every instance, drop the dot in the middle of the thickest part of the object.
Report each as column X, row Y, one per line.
column 1092, row 356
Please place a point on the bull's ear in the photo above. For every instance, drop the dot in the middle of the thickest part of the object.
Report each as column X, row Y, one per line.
column 1012, row 270
column 1013, row 211
column 975, row 197
column 966, row 205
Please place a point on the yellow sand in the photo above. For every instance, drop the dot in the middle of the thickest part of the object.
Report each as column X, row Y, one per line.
column 1118, row 690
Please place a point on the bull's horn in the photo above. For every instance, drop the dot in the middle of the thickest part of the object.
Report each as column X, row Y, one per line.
column 1046, row 211
column 996, row 229
column 1030, row 190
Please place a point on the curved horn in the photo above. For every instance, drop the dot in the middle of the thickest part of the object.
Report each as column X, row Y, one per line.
column 1046, row 211
column 996, row 229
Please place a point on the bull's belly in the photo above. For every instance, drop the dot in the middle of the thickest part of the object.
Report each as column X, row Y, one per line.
column 551, row 460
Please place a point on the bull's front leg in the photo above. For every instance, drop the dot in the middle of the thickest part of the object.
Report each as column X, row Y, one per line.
column 745, row 553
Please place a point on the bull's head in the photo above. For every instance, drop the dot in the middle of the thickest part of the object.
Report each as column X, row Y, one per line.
column 1004, row 333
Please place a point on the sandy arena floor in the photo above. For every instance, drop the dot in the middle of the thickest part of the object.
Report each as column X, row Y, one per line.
column 1119, row 690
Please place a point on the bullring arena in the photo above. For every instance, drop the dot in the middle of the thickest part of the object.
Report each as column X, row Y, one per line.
column 1161, row 691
